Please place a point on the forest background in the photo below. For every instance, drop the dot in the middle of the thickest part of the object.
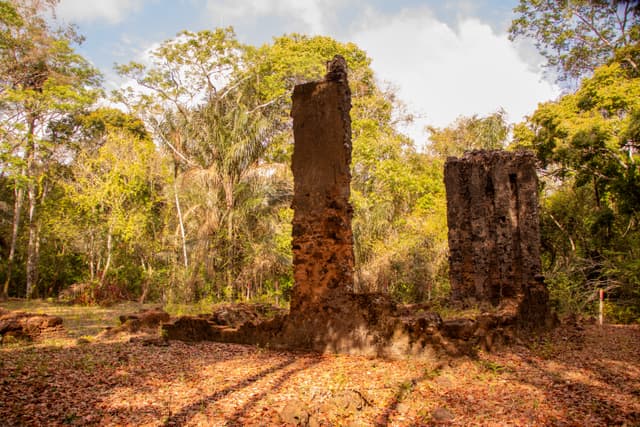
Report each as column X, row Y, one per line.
column 178, row 188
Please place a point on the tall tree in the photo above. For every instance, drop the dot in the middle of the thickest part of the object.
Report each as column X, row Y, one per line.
column 42, row 81
column 469, row 133
column 589, row 136
column 587, row 143
column 113, row 198
column 230, row 142
column 576, row 36
column 206, row 114
column 390, row 180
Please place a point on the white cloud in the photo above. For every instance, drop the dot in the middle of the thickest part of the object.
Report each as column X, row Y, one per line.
column 442, row 73
column 442, row 70
column 113, row 11
column 311, row 15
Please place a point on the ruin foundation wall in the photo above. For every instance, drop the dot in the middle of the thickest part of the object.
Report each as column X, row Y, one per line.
column 494, row 236
column 493, row 233
column 323, row 258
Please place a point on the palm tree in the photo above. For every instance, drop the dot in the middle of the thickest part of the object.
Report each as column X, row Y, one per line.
column 233, row 193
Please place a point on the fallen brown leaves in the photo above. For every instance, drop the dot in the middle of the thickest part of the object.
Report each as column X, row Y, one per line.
column 570, row 378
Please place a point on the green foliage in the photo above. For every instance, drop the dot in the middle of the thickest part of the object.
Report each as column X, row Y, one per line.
column 622, row 313
column 295, row 58
column 585, row 136
column 590, row 205
column 577, row 36
column 400, row 225
column 275, row 68
column 587, row 143
column 227, row 198
column 109, row 211
column 469, row 133
column 566, row 294
column 229, row 149
column 43, row 82
column 97, row 124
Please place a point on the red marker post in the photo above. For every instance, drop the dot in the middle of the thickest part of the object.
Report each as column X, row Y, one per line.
column 601, row 308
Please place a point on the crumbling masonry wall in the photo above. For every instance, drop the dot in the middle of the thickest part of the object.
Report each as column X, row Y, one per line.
column 323, row 256
column 493, row 236
column 494, row 239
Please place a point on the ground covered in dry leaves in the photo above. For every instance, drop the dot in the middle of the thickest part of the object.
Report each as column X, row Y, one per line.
column 572, row 377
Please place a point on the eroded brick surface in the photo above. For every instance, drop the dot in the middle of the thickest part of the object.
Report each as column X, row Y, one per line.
column 322, row 239
column 494, row 237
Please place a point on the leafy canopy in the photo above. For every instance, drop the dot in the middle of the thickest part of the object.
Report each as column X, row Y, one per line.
column 591, row 135
column 469, row 133
column 576, row 36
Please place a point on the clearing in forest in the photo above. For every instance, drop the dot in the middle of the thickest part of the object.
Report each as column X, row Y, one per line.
column 584, row 375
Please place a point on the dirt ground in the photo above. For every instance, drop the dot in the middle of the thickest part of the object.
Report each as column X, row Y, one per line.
column 587, row 376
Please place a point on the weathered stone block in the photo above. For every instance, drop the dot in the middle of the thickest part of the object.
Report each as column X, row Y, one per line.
column 494, row 255
column 494, row 238
column 322, row 238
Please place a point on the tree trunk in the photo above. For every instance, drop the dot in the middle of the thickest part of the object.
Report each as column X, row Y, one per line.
column 145, row 291
column 32, row 247
column 32, row 197
column 92, row 257
column 36, row 255
column 34, row 251
column 145, row 283
column 230, row 256
column 181, row 222
column 228, row 189
column 108, row 262
column 17, row 209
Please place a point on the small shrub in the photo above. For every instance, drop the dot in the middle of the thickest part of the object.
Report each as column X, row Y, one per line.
column 621, row 313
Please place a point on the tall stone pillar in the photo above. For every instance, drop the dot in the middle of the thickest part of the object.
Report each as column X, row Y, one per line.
column 494, row 238
column 323, row 258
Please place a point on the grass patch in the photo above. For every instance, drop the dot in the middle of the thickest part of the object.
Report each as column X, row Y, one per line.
column 202, row 307
column 494, row 367
column 447, row 313
column 79, row 321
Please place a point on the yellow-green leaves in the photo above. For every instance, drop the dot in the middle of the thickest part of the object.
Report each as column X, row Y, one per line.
column 469, row 133
column 584, row 132
column 577, row 36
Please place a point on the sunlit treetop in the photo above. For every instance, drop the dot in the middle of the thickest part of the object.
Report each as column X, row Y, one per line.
column 576, row 36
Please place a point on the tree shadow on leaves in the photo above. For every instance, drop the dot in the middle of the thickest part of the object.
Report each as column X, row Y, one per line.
column 235, row 418
column 91, row 382
column 185, row 413
column 581, row 396
column 404, row 390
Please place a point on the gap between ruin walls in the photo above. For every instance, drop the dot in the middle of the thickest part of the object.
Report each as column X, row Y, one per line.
column 327, row 316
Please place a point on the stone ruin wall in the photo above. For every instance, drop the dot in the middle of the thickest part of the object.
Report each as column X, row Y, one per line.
column 494, row 237
column 323, row 258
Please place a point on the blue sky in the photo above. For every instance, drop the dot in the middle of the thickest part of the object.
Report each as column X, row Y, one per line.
column 445, row 58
